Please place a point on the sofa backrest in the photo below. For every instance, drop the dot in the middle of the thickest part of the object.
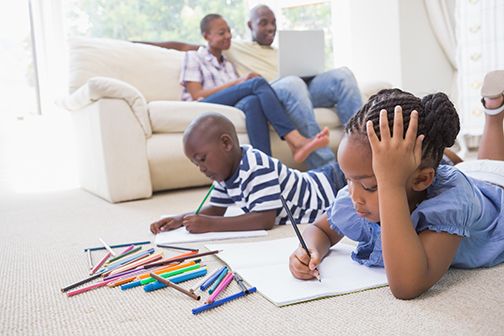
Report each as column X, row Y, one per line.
column 154, row 71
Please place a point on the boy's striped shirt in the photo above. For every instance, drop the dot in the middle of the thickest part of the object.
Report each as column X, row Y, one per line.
column 260, row 179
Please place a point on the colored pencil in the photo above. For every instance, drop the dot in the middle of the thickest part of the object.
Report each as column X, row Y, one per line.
column 116, row 246
column 137, row 263
column 80, row 282
column 198, row 285
column 125, row 254
column 108, row 248
column 177, row 279
column 128, row 260
column 169, row 268
column 204, row 199
column 240, row 283
column 294, row 225
column 149, row 280
column 217, row 281
column 181, row 258
column 178, row 248
column 219, row 302
column 211, row 279
column 171, row 284
column 85, row 289
column 121, row 280
column 90, row 260
column 99, row 264
column 219, row 288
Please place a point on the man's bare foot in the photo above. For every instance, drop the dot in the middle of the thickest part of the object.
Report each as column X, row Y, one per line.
column 305, row 148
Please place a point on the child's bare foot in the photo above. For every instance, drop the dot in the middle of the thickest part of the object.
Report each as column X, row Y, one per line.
column 493, row 92
column 307, row 146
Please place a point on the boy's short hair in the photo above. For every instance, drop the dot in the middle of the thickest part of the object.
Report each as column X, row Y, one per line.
column 210, row 126
column 206, row 22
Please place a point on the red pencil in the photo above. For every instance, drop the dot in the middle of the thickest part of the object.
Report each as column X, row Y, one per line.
column 88, row 288
column 99, row 264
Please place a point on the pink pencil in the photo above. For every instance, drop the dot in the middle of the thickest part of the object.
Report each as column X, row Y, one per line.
column 219, row 288
column 88, row 288
column 127, row 250
column 99, row 264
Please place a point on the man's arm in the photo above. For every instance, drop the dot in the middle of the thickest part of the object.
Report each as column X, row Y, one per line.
column 180, row 46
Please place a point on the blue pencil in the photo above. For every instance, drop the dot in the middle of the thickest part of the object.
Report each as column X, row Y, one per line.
column 114, row 246
column 221, row 301
column 211, row 279
column 176, row 279
column 217, row 281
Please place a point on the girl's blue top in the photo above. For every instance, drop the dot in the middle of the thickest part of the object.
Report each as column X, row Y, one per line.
column 455, row 203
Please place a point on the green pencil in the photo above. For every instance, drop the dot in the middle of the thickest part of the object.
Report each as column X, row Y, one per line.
column 204, row 199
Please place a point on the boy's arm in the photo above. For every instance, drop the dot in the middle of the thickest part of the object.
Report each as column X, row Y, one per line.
column 180, row 46
column 174, row 222
column 204, row 222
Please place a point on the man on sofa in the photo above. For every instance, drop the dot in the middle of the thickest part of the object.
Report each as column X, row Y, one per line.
column 333, row 87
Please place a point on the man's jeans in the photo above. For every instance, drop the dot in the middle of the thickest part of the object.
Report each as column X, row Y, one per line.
column 334, row 87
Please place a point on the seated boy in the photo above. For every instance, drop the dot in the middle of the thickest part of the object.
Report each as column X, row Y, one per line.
column 248, row 178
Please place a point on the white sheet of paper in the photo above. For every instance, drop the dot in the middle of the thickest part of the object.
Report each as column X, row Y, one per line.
column 181, row 235
column 265, row 265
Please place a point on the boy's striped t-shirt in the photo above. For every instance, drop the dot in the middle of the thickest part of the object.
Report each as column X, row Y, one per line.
column 260, row 179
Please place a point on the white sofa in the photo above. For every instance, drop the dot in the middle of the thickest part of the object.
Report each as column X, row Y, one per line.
column 124, row 98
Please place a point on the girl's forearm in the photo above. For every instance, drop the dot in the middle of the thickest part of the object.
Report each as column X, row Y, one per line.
column 403, row 253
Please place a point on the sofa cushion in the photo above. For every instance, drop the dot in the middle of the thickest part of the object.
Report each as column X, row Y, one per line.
column 152, row 70
column 174, row 117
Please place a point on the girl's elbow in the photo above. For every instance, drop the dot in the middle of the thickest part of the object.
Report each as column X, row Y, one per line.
column 407, row 292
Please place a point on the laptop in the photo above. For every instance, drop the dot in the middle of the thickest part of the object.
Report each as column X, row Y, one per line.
column 301, row 53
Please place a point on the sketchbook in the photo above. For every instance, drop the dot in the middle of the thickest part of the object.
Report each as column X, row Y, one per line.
column 265, row 265
column 181, row 235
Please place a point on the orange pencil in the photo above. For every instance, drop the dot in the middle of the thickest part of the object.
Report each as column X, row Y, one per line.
column 122, row 281
column 140, row 262
column 166, row 269
column 171, row 259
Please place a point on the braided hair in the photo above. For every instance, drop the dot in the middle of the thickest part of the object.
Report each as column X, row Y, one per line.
column 437, row 120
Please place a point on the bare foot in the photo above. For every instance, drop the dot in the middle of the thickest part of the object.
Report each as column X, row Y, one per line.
column 302, row 151
column 494, row 103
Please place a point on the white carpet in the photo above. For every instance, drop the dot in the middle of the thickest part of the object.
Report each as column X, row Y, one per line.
column 42, row 241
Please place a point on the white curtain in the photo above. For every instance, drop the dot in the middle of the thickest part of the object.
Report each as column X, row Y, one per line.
column 50, row 51
column 441, row 15
column 480, row 49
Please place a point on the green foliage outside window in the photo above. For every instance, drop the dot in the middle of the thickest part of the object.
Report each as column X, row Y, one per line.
column 152, row 20
column 178, row 20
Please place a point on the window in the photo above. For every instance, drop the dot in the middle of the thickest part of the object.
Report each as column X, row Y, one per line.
column 153, row 20
column 316, row 16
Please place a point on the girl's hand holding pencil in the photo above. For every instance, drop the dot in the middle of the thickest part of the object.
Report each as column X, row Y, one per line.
column 302, row 266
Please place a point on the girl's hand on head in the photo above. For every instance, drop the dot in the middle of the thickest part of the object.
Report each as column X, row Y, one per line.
column 395, row 158
column 301, row 266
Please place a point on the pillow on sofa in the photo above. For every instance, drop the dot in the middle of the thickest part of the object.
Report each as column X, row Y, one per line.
column 152, row 70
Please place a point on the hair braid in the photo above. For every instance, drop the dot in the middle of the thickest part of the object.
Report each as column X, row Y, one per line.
column 437, row 119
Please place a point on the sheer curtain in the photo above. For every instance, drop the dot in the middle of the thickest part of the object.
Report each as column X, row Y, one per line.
column 50, row 36
column 480, row 49
column 441, row 15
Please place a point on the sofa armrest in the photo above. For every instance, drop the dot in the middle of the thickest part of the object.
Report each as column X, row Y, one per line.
column 104, row 87
column 369, row 88
column 111, row 151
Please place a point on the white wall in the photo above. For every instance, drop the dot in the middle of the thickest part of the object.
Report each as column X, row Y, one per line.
column 390, row 40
